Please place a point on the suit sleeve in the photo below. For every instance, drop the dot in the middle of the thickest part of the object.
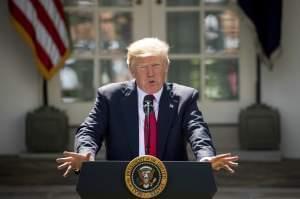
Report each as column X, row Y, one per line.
column 90, row 134
column 198, row 134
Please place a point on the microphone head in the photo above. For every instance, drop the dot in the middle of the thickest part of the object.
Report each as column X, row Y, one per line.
column 148, row 104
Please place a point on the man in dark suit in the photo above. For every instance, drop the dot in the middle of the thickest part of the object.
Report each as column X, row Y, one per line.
column 118, row 116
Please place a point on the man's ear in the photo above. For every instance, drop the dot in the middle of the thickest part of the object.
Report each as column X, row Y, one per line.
column 167, row 67
column 132, row 72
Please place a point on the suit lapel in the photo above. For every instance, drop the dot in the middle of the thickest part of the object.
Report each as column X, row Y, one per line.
column 130, row 114
column 167, row 108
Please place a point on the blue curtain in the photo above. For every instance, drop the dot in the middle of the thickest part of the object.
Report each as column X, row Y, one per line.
column 266, row 17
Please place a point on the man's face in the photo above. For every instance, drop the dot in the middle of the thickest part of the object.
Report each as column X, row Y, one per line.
column 150, row 72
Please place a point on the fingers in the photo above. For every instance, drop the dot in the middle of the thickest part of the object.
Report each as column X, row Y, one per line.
column 62, row 160
column 67, row 157
column 77, row 155
column 66, row 162
column 71, row 161
column 228, row 168
column 63, row 166
column 225, row 161
column 67, row 171
column 232, row 158
column 226, row 156
column 221, row 156
column 233, row 164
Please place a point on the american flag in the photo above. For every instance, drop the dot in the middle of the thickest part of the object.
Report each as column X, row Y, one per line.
column 42, row 23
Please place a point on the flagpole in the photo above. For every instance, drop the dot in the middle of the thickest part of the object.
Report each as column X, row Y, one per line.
column 45, row 92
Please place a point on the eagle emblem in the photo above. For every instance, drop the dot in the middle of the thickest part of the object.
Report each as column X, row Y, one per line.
column 146, row 176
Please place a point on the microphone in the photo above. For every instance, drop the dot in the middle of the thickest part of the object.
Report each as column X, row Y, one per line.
column 148, row 108
column 148, row 104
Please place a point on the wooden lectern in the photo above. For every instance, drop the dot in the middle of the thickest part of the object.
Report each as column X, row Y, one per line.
column 186, row 179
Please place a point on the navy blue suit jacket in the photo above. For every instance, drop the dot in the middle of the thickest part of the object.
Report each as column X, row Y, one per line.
column 114, row 118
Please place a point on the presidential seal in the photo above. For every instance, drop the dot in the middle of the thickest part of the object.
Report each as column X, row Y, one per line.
column 146, row 176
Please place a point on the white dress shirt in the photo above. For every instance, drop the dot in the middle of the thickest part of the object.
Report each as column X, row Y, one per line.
column 141, row 95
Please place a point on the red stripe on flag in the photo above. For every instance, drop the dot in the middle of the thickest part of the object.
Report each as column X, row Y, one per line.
column 28, row 27
column 16, row 12
column 48, row 24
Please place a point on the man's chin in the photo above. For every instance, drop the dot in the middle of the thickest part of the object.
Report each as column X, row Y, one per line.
column 152, row 89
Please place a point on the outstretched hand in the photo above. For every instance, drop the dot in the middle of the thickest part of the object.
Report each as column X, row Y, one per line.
column 71, row 161
column 224, row 161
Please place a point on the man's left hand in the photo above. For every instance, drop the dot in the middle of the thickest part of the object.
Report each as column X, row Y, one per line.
column 224, row 161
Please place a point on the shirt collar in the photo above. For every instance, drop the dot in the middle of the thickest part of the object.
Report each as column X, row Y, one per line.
column 142, row 94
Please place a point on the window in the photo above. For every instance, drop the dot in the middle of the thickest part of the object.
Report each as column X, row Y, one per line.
column 207, row 35
column 99, row 38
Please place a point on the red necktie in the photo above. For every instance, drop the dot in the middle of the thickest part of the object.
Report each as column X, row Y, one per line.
column 150, row 131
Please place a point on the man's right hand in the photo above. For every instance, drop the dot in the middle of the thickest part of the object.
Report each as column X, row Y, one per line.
column 71, row 161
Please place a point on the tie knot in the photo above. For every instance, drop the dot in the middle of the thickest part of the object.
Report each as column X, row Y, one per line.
column 149, row 97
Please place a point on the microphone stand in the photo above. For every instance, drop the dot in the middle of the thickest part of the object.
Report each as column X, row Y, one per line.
column 147, row 117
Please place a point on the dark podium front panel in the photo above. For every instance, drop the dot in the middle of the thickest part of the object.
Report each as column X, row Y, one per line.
column 106, row 179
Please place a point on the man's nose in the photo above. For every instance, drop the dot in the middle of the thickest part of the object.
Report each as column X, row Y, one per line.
column 150, row 70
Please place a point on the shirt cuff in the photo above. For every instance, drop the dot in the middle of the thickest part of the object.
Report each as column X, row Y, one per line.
column 206, row 159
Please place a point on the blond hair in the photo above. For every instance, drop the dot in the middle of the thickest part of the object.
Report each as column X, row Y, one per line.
column 147, row 47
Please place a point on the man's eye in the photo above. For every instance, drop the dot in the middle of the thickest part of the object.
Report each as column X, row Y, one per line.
column 141, row 67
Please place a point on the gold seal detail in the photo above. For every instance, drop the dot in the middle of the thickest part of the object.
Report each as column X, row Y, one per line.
column 146, row 176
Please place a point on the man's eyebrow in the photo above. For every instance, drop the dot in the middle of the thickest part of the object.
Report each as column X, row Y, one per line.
column 139, row 65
